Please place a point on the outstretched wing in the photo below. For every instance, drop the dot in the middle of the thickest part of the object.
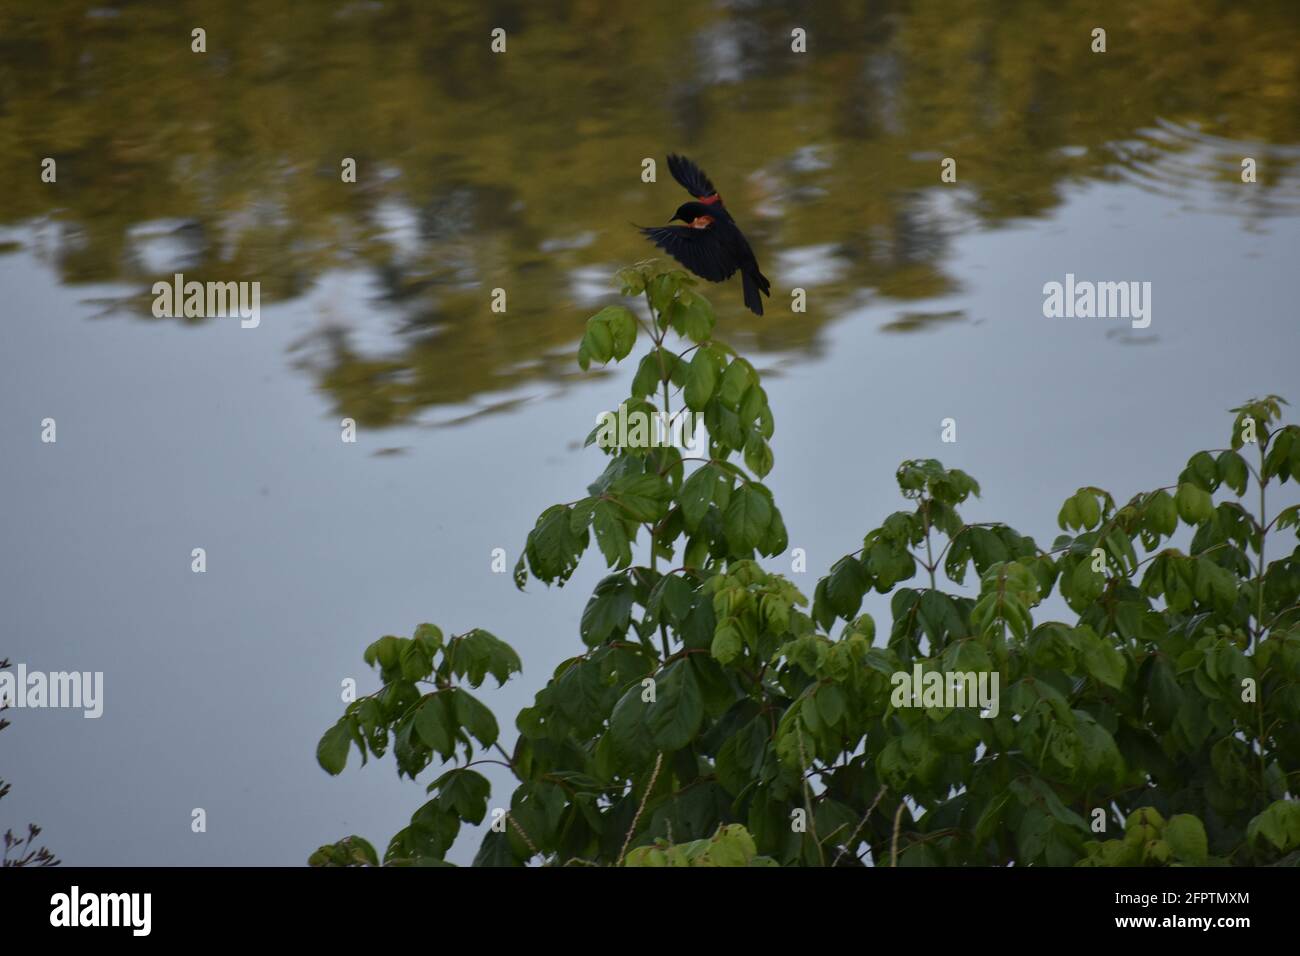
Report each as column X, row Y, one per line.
column 690, row 176
column 697, row 249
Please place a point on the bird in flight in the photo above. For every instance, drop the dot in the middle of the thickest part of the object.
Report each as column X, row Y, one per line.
column 710, row 244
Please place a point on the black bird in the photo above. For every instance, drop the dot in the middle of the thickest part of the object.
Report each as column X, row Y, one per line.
column 710, row 244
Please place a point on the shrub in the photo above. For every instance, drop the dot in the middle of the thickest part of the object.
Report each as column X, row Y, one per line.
column 714, row 716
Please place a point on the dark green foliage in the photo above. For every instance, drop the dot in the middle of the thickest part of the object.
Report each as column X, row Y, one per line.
column 716, row 717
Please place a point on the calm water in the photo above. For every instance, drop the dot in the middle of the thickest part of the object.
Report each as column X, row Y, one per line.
column 522, row 171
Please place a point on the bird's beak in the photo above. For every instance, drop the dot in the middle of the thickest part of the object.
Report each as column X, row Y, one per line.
column 675, row 218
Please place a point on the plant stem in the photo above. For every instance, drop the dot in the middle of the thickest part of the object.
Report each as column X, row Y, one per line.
column 1262, row 479
column 659, row 335
column 929, row 554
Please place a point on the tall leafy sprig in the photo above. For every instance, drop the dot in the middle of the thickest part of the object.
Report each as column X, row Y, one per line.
column 709, row 712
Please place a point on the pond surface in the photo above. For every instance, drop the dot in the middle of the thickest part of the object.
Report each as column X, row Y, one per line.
column 522, row 171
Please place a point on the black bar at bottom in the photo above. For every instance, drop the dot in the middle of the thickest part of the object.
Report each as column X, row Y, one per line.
column 332, row 906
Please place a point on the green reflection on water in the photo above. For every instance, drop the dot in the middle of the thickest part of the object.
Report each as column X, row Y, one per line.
column 522, row 170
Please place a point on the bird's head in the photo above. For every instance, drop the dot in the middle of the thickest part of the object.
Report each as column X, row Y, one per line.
column 690, row 211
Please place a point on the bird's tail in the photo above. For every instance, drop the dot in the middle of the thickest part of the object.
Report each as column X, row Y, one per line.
column 753, row 283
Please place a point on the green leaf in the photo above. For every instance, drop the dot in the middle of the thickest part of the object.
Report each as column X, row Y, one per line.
column 1215, row 585
column 475, row 717
column 432, row 832
column 1088, row 509
column 1105, row 663
column 641, row 497
column 727, row 643
column 1069, row 514
column 1233, row 473
column 332, row 751
column 553, row 548
column 1279, row 823
column 649, row 373
column 1289, row 517
column 608, row 612
column 775, row 540
column 701, row 380
column 415, row 660
column 1101, row 758
column 480, row 653
column 463, row 791
column 694, row 317
column 495, row 850
column 830, row 704
column 991, row 817
column 758, row 456
column 1164, row 696
column 1201, row 471
column 675, row 594
column 1160, row 513
column 736, row 380
column 611, row 535
column 430, row 635
column 747, row 516
column 1087, row 583
column 622, row 327
column 696, row 494
column 1194, row 504
column 383, row 652
column 663, row 288
column 598, row 342
column 354, row 851
column 629, row 737
column 631, row 281
column 847, row 583
column 433, row 724
column 673, row 718
column 1185, row 835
